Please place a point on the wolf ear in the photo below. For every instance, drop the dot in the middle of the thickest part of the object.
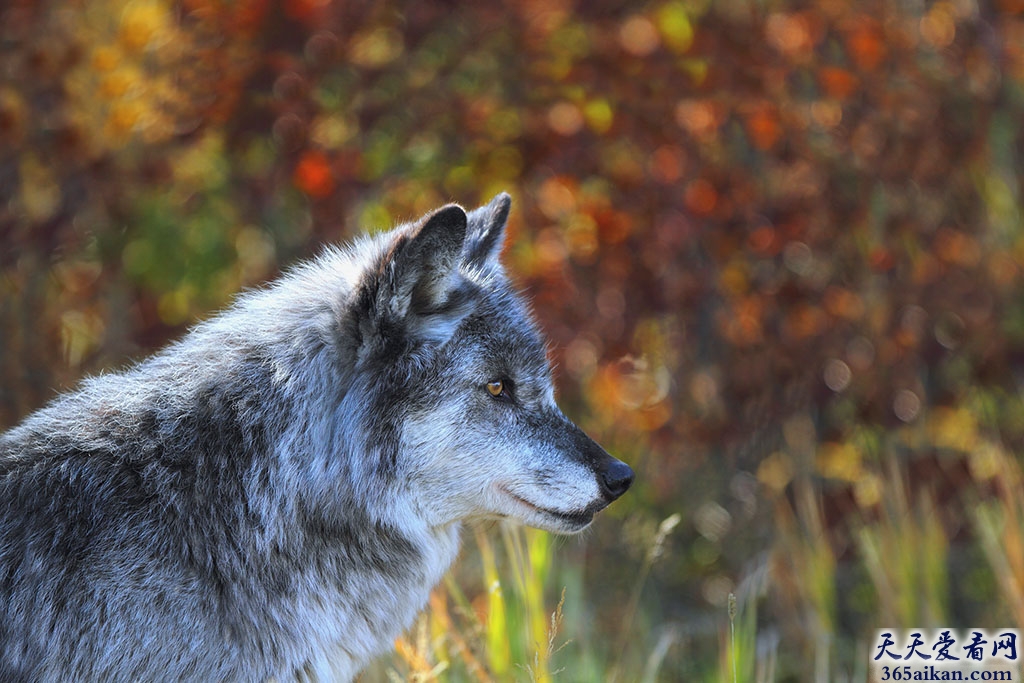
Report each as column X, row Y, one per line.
column 428, row 261
column 486, row 233
column 419, row 292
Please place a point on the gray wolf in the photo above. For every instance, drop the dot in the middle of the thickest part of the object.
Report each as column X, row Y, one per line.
column 274, row 496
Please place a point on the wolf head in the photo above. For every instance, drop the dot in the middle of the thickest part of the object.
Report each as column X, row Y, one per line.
column 454, row 387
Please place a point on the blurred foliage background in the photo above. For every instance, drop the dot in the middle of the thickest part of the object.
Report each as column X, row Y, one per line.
column 777, row 247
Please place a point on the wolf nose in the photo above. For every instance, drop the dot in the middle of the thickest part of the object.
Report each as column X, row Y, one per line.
column 616, row 478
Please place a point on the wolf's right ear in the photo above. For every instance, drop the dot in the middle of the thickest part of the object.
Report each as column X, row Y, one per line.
column 486, row 234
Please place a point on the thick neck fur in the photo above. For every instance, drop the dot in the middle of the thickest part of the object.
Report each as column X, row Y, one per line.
column 241, row 409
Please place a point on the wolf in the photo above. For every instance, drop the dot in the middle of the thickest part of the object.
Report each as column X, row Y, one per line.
column 273, row 496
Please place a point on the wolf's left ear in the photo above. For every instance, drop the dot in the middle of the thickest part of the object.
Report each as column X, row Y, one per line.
column 424, row 265
column 418, row 291
column 486, row 232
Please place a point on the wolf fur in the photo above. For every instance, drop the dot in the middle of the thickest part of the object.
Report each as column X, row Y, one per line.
column 274, row 496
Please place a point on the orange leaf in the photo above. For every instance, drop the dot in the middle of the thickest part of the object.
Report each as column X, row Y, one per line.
column 313, row 175
column 866, row 45
column 837, row 82
column 763, row 127
column 700, row 197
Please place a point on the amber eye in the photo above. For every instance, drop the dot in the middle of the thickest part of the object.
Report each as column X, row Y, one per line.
column 496, row 388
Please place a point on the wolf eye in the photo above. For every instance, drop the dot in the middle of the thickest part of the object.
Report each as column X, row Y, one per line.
column 500, row 388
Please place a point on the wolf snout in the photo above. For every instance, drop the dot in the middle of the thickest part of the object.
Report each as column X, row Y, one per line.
column 615, row 478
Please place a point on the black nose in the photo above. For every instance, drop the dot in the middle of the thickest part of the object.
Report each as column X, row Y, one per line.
column 615, row 478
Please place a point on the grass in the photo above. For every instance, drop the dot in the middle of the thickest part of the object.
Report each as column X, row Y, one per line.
column 505, row 633
column 512, row 629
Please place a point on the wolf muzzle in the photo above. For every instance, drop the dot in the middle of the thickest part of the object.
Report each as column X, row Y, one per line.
column 614, row 477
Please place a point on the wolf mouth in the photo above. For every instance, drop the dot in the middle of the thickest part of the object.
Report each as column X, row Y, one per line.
column 580, row 518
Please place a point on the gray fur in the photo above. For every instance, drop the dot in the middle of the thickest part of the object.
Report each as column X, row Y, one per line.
column 275, row 495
